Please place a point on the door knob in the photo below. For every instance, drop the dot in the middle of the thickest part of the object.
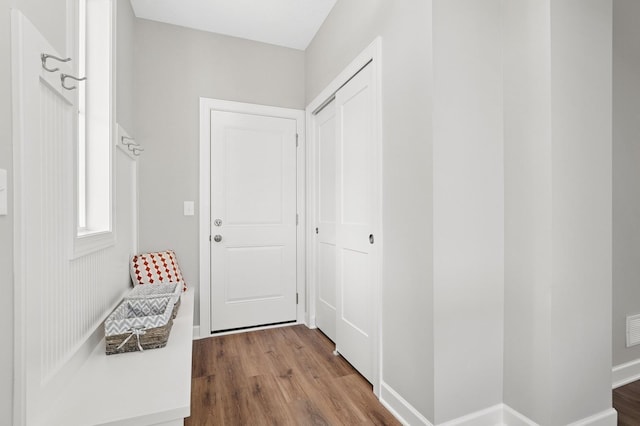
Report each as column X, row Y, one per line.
column 217, row 238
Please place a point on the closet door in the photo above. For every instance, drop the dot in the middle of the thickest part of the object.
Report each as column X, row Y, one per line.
column 325, row 137
column 356, row 223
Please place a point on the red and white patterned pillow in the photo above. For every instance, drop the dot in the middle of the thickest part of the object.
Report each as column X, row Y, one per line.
column 157, row 267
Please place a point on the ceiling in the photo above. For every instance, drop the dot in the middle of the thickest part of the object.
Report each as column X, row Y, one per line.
column 288, row 23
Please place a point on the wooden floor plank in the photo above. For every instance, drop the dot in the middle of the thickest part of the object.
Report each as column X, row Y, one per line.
column 626, row 401
column 282, row 376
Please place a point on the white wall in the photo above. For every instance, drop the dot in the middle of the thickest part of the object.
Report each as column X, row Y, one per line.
column 174, row 67
column 468, row 207
column 626, row 174
column 558, row 209
column 407, row 176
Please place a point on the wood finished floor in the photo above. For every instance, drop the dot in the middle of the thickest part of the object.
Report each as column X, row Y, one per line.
column 282, row 376
column 626, row 400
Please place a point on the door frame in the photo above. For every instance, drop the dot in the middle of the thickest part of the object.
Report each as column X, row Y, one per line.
column 207, row 105
column 370, row 56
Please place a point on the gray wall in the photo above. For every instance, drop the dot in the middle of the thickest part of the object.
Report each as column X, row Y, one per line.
column 405, row 27
column 6, row 222
column 558, row 208
column 468, row 206
column 527, row 96
column 124, row 64
column 174, row 67
column 626, row 174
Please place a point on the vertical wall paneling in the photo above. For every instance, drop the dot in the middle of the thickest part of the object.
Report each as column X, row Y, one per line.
column 62, row 300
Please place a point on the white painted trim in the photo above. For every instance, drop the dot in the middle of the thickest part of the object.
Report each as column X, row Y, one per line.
column 488, row 416
column 19, row 252
column 511, row 417
column 249, row 330
column 626, row 373
column 607, row 417
column 373, row 53
column 95, row 241
column 497, row 415
column 204, row 206
column 400, row 408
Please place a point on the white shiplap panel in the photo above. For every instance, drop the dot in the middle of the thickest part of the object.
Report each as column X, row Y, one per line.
column 75, row 294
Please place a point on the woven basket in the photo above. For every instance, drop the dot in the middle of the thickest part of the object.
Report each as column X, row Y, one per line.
column 152, row 291
column 139, row 324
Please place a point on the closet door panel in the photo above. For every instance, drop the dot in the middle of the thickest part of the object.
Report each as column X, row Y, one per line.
column 325, row 137
column 356, row 223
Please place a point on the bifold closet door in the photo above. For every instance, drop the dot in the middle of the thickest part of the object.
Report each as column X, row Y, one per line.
column 356, row 222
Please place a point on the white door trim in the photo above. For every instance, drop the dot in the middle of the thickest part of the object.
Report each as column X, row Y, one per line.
column 373, row 54
column 204, row 209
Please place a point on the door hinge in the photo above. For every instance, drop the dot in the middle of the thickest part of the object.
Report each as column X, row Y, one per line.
column 297, row 219
column 296, row 298
column 209, row 238
column 297, row 143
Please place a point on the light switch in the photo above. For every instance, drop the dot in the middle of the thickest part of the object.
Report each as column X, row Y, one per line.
column 3, row 192
column 189, row 208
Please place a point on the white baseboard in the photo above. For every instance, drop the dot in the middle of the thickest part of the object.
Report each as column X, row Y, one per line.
column 400, row 408
column 511, row 417
column 196, row 332
column 626, row 373
column 492, row 416
column 498, row 415
column 605, row 418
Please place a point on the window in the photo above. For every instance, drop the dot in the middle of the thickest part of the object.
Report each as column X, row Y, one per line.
column 95, row 126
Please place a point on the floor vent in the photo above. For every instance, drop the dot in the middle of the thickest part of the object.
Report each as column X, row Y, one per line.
column 633, row 330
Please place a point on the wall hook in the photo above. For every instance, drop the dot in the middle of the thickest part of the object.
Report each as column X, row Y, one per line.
column 132, row 141
column 65, row 76
column 45, row 56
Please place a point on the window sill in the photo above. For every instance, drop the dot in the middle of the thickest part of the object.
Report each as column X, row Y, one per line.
column 88, row 243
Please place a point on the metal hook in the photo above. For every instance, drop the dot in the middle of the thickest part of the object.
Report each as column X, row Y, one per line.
column 65, row 76
column 136, row 150
column 128, row 144
column 45, row 56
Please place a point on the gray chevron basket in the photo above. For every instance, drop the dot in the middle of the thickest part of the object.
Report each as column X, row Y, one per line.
column 153, row 291
column 138, row 324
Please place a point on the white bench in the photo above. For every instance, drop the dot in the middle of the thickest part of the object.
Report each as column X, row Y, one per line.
column 136, row 388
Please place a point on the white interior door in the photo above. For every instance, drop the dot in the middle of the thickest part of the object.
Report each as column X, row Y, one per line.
column 356, row 223
column 325, row 137
column 253, row 215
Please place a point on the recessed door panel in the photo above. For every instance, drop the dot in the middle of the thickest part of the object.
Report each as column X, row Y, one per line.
column 259, row 282
column 327, row 167
column 255, row 176
column 327, row 274
column 356, row 289
column 355, row 158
